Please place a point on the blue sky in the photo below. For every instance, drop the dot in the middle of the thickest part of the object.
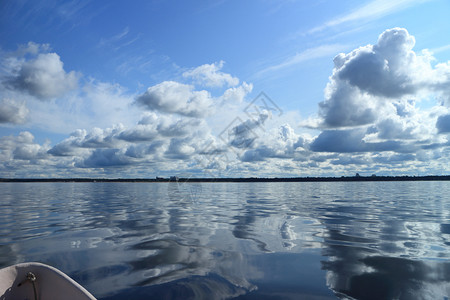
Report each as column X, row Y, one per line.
column 224, row 88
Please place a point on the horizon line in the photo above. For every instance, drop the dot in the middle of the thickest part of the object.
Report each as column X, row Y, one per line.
column 356, row 177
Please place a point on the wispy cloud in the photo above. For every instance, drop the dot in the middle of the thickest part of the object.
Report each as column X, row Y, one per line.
column 372, row 10
column 306, row 55
column 119, row 40
column 441, row 49
column 121, row 34
column 63, row 15
column 115, row 38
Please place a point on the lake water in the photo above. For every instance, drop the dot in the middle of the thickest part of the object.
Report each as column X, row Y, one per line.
column 305, row 240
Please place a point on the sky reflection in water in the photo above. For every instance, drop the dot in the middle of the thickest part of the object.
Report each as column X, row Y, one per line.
column 371, row 240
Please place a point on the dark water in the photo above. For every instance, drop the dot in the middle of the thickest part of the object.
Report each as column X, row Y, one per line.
column 362, row 240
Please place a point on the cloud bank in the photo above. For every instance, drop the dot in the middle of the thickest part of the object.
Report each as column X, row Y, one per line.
column 385, row 110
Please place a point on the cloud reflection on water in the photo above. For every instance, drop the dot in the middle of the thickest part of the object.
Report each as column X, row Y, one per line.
column 391, row 257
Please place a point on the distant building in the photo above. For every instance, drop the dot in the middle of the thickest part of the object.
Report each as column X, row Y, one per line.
column 173, row 178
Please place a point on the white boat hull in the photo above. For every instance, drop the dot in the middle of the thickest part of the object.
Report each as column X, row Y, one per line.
column 49, row 283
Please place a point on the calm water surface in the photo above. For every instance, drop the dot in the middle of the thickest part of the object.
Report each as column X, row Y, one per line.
column 348, row 240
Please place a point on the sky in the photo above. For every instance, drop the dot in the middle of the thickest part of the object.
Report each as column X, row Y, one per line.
column 224, row 88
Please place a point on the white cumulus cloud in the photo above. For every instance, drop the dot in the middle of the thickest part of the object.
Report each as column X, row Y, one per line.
column 43, row 77
column 12, row 112
column 21, row 148
column 368, row 77
column 210, row 75
column 178, row 98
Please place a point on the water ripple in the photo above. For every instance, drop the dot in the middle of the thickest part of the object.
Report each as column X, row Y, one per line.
column 235, row 240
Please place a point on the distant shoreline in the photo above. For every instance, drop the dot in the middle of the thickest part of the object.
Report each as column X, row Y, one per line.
column 250, row 179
